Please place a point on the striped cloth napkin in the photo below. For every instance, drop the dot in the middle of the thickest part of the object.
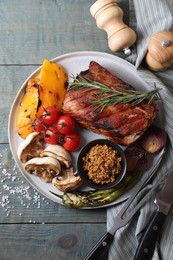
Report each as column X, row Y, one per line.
column 147, row 17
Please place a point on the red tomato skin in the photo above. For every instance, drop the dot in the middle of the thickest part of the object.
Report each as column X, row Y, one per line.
column 50, row 115
column 51, row 135
column 38, row 125
column 65, row 124
column 71, row 142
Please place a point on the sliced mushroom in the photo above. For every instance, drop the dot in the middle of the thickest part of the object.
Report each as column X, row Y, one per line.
column 68, row 180
column 46, row 168
column 30, row 147
column 58, row 152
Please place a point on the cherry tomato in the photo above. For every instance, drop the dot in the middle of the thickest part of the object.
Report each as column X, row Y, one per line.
column 65, row 124
column 38, row 125
column 71, row 142
column 51, row 135
column 50, row 115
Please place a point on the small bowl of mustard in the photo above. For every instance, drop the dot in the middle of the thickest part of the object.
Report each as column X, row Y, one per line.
column 101, row 164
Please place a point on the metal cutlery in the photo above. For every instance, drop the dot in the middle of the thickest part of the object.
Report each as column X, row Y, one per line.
column 164, row 201
column 106, row 240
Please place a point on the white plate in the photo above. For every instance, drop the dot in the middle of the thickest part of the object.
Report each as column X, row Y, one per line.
column 74, row 63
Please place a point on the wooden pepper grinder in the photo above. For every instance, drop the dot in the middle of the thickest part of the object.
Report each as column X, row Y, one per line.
column 109, row 17
column 160, row 51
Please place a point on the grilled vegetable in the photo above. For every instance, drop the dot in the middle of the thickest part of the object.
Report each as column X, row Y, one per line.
column 53, row 81
column 28, row 108
column 46, row 167
column 79, row 199
column 137, row 158
column 154, row 139
column 48, row 91
column 68, row 180
column 31, row 147
column 58, row 152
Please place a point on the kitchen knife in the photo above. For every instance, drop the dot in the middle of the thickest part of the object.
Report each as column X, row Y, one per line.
column 164, row 201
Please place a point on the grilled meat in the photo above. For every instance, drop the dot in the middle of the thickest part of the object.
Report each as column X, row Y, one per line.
column 122, row 123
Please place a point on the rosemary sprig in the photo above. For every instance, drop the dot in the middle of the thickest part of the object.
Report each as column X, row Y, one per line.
column 109, row 96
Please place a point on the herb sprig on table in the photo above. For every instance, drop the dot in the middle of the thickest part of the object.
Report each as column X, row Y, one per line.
column 110, row 96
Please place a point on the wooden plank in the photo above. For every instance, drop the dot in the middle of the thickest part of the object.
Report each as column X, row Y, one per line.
column 56, row 241
column 33, row 30
column 21, row 203
column 46, row 29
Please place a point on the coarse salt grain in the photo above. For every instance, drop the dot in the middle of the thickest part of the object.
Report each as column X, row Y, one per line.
column 25, row 193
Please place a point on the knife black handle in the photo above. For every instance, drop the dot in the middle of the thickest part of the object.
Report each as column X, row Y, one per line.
column 103, row 243
column 147, row 243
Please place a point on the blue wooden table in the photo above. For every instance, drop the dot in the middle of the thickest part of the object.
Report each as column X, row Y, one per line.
column 32, row 226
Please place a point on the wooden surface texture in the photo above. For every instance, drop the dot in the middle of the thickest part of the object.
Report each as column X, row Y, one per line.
column 31, row 226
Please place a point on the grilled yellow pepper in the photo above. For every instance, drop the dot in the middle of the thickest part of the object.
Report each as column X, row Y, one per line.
column 28, row 108
column 53, row 80
column 47, row 91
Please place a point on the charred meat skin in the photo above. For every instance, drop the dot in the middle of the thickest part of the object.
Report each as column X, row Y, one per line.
column 122, row 123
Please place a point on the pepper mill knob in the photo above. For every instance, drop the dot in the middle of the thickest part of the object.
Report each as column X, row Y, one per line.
column 160, row 51
column 109, row 17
